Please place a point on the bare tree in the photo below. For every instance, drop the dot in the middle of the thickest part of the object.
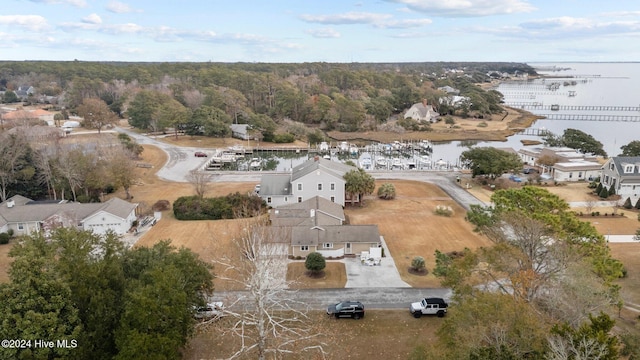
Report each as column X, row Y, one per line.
column 200, row 181
column 13, row 149
column 584, row 349
column 96, row 113
column 269, row 321
column 589, row 205
column 120, row 167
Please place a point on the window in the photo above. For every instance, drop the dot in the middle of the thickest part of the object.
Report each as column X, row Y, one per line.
column 570, row 175
column 319, row 187
column 327, row 245
column 299, row 187
column 628, row 169
column 333, row 199
column 269, row 200
column 611, row 166
column 304, row 248
column 580, row 175
column 20, row 226
column 606, row 179
column 333, row 186
column 299, row 199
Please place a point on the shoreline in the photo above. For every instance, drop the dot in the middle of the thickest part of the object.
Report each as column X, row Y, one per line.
column 521, row 120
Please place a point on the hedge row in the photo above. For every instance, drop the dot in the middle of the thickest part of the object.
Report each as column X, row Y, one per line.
column 232, row 206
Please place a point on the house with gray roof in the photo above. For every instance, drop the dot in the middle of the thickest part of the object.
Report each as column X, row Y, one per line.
column 240, row 131
column 318, row 225
column 25, row 216
column 315, row 177
column 422, row 112
column 623, row 174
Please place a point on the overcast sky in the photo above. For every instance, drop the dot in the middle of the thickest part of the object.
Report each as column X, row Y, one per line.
column 320, row 30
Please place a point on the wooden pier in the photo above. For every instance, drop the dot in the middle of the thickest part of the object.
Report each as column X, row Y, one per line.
column 540, row 106
column 592, row 117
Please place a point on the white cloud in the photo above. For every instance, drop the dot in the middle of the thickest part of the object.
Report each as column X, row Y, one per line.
column 324, row 33
column 466, row 8
column 128, row 28
column 29, row 22
column 119, row 7
column 92, row 19
column 346, row 18
column 77, row 3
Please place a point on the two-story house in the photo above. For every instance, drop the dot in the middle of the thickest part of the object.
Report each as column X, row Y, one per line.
column 422, row 112
column 315, row 177
column 623, row 173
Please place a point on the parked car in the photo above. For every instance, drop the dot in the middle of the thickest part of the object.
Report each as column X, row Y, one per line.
column 352, row 309
column 429, row 306
column 200, row 154
column 210, row 311
column 515, row 178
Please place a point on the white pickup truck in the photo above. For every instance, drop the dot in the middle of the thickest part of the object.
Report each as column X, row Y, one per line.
column 429, row 306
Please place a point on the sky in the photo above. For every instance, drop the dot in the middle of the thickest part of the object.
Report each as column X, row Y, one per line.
column 341, row 31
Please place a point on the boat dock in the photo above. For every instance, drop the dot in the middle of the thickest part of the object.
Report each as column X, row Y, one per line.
column 540, row 106
column 592, row 117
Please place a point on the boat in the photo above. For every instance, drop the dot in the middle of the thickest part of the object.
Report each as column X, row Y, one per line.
column 410, row 164
column 397, row 164
column 327, row 157
column 381, row 163
column 555, row 107
column 255, row 164
column 365, row 161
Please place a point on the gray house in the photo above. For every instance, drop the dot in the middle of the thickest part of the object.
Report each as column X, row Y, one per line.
column 240, row 131
column 623, row 173
column 25, row 216
column 317, row 225
column 422, row 112
column 315, row 177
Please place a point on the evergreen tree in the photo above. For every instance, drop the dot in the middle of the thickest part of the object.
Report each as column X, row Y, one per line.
column 627, row 203
column 637, row 206
column 604, row 193
column 315, row 262
column 599, row 188
column 612, row 190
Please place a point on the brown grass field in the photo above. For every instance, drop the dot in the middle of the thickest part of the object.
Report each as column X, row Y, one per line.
column 381, row 334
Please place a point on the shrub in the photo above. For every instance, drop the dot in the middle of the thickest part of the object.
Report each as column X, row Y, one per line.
column 418, row 264
column 627, row 203
column 232, row 206
column 284, row 138
column 604, row 193
column 483, row 124
column 4, row 238
column 387, row 191
column 10, row 232
column 315, row 262
column 443, row 210
column 637, row 206
column 612, row 190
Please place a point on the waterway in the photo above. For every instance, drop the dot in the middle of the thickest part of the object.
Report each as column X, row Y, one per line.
column 578, row 84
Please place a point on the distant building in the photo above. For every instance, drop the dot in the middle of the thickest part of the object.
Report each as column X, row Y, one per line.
column 240, row 131
column 569, row 164
column 422, row 112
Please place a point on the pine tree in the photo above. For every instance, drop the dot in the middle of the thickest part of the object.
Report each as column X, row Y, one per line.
column 637, row 204
column 627, row 203
column 603, row 193
column 599, row 188
column 612, row 190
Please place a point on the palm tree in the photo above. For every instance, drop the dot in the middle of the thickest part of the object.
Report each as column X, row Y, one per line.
column 358, row 183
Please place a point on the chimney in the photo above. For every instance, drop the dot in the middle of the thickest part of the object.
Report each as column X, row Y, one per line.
column 312, row 213
column 11, row 203
column 424, row 102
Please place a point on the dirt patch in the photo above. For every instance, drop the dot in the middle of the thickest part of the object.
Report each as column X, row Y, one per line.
column 5, row 261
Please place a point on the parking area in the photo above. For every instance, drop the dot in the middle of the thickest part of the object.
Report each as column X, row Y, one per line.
column 385, row 275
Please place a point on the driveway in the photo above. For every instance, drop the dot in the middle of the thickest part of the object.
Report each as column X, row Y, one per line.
column 385, row 275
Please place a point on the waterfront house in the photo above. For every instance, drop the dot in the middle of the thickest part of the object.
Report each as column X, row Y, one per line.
column 25, row 216
column 317, row 225
column 623, row 174
column 422, row 112
column 315, row 177
column 240, row 131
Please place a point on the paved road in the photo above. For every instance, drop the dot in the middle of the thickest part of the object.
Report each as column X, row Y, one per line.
column 318, row 299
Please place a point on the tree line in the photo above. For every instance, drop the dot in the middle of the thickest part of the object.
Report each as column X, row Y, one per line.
column 205, row 98
column 52, row 168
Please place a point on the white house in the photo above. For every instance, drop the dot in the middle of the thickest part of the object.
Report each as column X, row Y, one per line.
column 240, row 131
column 623, row 173
column 315, row 177
column 568, row 164
column 422, row 112
column 25, row 216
